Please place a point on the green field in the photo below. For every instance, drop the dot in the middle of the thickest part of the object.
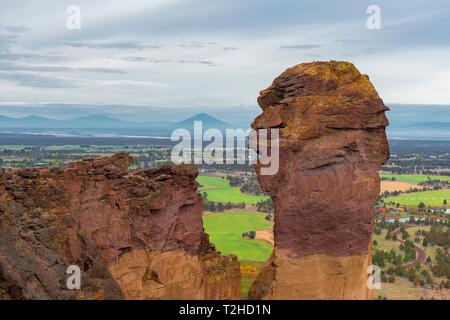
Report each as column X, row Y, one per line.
column 414, row 178
column 219, row 190
column 430, row 198
column 225, row 232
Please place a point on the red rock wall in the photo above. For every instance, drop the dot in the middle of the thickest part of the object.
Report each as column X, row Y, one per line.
column 135, row 235
column 332, row 144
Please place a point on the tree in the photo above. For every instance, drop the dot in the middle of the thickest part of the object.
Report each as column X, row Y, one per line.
column 374, row 242
column 421, row 206
column 445, row 200
column 405, row 235
column 377, row 231
column 388, row 235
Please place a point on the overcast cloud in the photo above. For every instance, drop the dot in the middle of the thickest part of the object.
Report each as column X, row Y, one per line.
column 174, row 53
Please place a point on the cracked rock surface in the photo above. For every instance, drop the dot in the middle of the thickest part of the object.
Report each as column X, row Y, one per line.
column 134, row 235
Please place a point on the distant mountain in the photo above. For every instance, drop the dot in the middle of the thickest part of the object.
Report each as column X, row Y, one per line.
column 25, row 122
column 207, row 122
column 91, row 122
column 406, row 121
column 104, row 124
column 96, row 121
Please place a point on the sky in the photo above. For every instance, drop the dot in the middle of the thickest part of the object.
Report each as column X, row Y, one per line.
column 212, row 54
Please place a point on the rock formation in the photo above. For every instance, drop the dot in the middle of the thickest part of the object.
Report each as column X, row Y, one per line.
column 134, row 235
column 332, row 144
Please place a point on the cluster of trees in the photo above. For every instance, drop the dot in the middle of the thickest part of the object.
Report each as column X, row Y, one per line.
column 265, row 206
column 248, row 184
column 252, row 187
column 419, row 277
column 235, row 181
column 416, row 275
column 438, row 235
column 381, row 258
column 441, row 267
column 219, row 206
column 410, row 190
column 408, row 250
column 249, row 234
column 383, row 178
column 436, row 184
column 390, row 235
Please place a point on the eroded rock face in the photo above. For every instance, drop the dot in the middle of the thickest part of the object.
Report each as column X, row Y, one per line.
column 135, row 235
column 332, row 144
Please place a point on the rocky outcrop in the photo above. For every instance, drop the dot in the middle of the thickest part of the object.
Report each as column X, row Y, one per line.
column 332, row 144
column 134, row 235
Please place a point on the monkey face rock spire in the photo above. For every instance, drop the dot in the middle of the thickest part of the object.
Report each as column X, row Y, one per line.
column 332, row 144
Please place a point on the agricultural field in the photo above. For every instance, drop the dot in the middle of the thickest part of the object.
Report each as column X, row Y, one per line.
column 430, row 198
column 414, row 178
column 393, row 186
column 225, row 232
column 219, row 190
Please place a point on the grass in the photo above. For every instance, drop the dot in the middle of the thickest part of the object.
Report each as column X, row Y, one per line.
column 225, row 232
column 430, row 198
column 414, row 178
column 384, row 244
column 402, row 289
column 219, row 190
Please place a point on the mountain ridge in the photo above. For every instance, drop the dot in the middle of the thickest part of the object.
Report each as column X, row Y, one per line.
column 103, row 121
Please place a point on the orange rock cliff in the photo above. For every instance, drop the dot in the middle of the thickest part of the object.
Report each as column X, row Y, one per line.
column 332, row 144
column 134, row 235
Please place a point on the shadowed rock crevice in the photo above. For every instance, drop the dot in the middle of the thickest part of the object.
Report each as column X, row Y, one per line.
column 332, row 144
column 134, row 235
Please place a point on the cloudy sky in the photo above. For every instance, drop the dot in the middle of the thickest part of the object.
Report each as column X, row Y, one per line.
column 214, row 53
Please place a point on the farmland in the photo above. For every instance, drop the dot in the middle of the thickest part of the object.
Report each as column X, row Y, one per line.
column 225, row 230
column 430, row 198
column 414, row 178
column 219, row 190
column 393, row 186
